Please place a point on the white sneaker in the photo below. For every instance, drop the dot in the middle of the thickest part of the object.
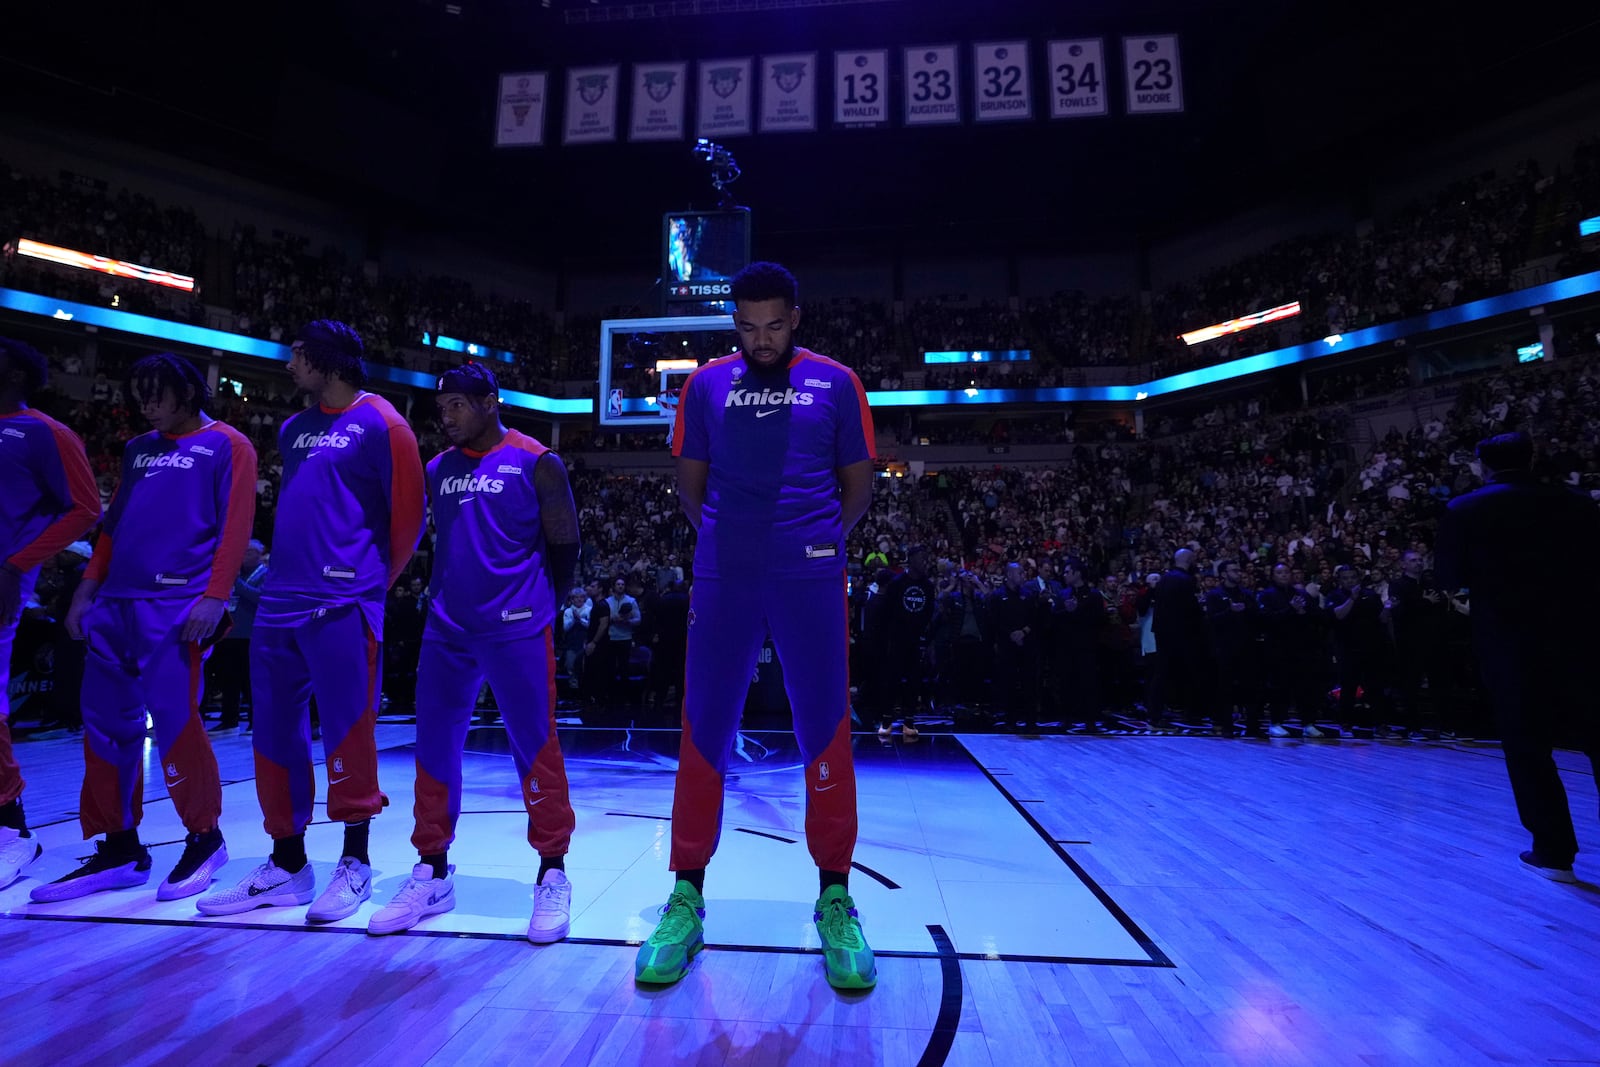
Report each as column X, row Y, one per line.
column 351, row 884
column 268, row 886
column 1274, row 730
column 552, row 909
column 16, row 852
column 1310, row 731
column 419, row 896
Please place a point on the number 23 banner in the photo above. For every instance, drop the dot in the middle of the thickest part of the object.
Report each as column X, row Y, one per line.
column 1155, row 81
column 1002, row 87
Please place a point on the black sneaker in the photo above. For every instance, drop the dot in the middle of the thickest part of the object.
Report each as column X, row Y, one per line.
column 1555, row 874
column 104, row 870
column 203, row 856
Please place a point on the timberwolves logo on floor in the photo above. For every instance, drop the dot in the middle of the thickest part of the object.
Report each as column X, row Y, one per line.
column 725, row 81
column 591, row 87
column 789, row 75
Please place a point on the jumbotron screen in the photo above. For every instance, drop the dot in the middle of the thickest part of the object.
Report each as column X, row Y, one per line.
column 700, row 252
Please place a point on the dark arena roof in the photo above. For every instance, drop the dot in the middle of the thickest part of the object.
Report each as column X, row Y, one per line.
column 387, row 107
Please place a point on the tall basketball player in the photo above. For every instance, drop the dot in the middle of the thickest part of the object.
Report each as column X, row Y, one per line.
column 148, row 608
column 774, row 451
column 507, row 543
column 349, row 517
column 48, row 500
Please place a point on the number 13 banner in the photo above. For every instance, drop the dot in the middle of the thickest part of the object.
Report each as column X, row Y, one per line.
column 1155, row 81
column 861, row 88
column 1002, row 88
column 933, row 86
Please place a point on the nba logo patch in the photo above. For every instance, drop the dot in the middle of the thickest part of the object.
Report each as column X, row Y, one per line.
column 691, row 616
column 533, row 786
column 822, row 772
column 172, row 770
column 338, row 765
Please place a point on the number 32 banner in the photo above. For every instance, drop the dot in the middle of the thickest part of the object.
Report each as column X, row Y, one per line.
column 1155, row 81
column 861, row 88
column 1002, row 87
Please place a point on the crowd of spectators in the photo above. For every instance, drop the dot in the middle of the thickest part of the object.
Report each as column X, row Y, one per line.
column 1466, row 241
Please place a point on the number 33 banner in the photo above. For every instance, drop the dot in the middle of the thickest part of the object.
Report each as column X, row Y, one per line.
column 933, row 88
column 861, row 88
column 1001, row 87
column 1155, row 81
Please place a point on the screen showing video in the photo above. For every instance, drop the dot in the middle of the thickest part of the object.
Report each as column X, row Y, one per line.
column 701, row 251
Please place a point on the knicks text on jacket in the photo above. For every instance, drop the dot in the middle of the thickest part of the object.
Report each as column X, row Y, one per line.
column 322, row 440
column 165, row 459
column 743, row 398
column 472, row 483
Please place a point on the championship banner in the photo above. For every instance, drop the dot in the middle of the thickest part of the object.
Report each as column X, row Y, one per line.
column 933, row 85
column 660, row 93
column 1077, row 78
column 1155, row 80
column 519, row 121
column 861, row 88
column 1002, row 89
column 789, row 93
column 724, row 98
column 591, row 105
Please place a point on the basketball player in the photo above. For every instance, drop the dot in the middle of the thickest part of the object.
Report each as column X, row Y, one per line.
column 153, row 598
column 774, row 450
column 507, row 541
column 349, row 518
column 48, row 499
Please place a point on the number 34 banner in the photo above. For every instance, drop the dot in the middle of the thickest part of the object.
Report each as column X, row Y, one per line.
column 1002, row 86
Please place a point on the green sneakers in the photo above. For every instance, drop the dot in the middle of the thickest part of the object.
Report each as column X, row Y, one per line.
column 677, row 937
column 845, row 952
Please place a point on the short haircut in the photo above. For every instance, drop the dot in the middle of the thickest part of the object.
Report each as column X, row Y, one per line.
column 765, row 281
column 153, row 375
column 334, row 349
column 1506, row 452
column 29, row 360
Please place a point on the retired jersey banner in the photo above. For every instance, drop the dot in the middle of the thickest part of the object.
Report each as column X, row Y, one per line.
column 519, row 121
column 1002, row 89
column 724, row 98
column 592, row 104
column 1155, row 80
column 789, row 93
column 933, row 85
column 1077, row 78
column 660, row 93
column 861, row 88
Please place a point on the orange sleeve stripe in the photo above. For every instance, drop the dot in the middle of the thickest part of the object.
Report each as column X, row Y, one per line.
column 85, row 509
column 407, row 495
column 683, row 391
column 100, row 563
column 239, row 518
column 867, row 430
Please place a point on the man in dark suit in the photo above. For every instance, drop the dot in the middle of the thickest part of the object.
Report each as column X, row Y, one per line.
column 1509, row 544
column 1179, row 624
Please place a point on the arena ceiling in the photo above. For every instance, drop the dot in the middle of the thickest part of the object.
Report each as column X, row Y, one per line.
column 387, row 106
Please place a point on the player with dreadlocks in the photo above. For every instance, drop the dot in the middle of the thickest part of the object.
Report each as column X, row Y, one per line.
column 48, row 500
column 151, row 603
column 349, row 518
column 507, row 547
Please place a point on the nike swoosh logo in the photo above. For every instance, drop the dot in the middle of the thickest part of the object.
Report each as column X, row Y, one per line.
column 257, row 890
column 764, row 414
column 176, row 782
column 825, row 788
column 336, row 781
column 536, row 803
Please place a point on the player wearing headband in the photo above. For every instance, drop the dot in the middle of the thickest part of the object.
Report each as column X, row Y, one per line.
column 149, row 607
column 48, row 499
column 349, row 518
column 774, row 451
column 507, row 541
